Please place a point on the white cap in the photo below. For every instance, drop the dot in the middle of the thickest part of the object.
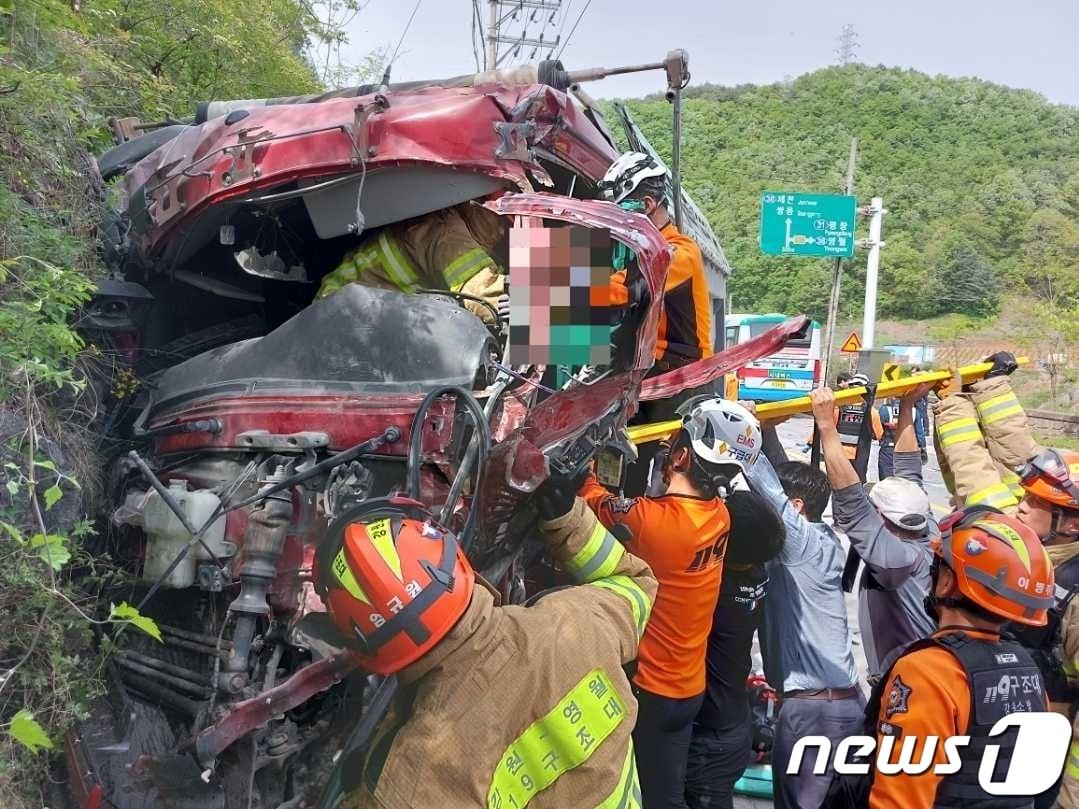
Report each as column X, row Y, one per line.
column 901, row 502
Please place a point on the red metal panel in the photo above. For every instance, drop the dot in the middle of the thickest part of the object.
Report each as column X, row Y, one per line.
column 451, row 127
column 708, row 370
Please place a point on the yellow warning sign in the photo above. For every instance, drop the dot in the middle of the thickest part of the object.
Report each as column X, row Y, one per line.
column 852, row 344
column 890, row 373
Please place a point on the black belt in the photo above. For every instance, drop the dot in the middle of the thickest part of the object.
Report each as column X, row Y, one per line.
column 824, row 693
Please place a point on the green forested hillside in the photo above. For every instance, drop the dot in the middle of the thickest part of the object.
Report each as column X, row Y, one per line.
column 981, row 181
column 66, row 66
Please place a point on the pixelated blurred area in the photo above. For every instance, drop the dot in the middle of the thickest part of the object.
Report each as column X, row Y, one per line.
column 560, row 296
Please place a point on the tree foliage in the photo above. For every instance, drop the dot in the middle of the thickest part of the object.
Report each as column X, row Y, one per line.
column 981, row 183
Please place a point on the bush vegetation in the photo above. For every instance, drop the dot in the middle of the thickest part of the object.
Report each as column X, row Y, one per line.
column 65, row 69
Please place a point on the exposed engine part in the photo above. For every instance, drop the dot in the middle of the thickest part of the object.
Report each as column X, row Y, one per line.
column 387, row 436
column 347, row 484
column 166, row 534
column 267, row 527
column 161, row 693
column 265, row 537
column 210, row 578
column 177, row 677
column 208, row 643
column 274, row 442
column 252, row 713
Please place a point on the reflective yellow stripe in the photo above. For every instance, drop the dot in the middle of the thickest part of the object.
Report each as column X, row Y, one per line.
column 997, row 495
column 397, row 266
column 999, row 407
column 1011, row 480
column 564, row 738
column 1009, row 534
column 959, row 431
column 969, row 435
column 598, row 558
column 351, row 268
column 952, row 426
column 627, row 795
column 466, row 265
column 1015, row 410
column 1071, row 768
column 629, row 590
column 382, row 538
column 1070, row 668
column 348, row 581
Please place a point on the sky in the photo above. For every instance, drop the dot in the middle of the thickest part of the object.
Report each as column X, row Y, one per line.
column 1019, row 44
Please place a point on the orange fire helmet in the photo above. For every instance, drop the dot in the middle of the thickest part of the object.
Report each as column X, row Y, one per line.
column 394, row 582
column 999, row 564
column 1053, row 476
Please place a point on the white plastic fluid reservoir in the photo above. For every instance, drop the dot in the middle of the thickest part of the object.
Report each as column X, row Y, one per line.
column 166, row 535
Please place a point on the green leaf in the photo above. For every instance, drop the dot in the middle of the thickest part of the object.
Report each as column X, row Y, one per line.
column 26, row 730
column 13, row 487
column 46, row 465
column 12, row 531
column 125, row 612
column 52, row 549
column 52, row 496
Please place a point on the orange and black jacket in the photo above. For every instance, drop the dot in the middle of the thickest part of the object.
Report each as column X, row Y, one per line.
column 685, row 324
column 951, row 684
column 684, row 540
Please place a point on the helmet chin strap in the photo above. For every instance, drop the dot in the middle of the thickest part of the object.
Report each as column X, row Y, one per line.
column 931, row 603
column 1054, row 529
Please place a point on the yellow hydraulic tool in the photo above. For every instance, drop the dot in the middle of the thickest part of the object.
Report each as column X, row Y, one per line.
column 643, row 433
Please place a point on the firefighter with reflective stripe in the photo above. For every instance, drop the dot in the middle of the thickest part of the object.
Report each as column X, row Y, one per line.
column 989, row 569
column 982, row 436
column 1051, row 505
column 683, row 536
column 989, row 457
column 497, row 706
column 448, row 249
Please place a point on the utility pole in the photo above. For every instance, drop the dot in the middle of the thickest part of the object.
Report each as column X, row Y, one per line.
column 837, row 275
column 872, row 265
column 848, row 44
column 490, row 40
column 535, row 12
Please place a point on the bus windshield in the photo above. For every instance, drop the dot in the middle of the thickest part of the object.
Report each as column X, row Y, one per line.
column 789, row 373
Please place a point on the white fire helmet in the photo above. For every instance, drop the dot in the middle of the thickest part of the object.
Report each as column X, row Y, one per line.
column 627, row 172
column 722, row 432
column 859, row 380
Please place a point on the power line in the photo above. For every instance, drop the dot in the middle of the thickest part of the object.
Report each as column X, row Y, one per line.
column 561, row 27
column 573, row 29
column 544, row 13
column 404, row 33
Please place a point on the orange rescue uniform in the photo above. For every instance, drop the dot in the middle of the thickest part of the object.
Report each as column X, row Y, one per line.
column 685, row 323
column 684, row 540
column 933, row 695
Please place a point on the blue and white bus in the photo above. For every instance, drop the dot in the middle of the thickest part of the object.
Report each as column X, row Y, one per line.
column 792, row 372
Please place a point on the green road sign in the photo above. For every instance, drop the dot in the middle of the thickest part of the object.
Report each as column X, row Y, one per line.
column 807, row 224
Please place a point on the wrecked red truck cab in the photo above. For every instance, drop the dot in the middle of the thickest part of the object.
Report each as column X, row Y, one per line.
column 259, row 413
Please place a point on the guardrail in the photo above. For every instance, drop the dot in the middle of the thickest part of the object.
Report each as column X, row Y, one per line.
column 1053, row 422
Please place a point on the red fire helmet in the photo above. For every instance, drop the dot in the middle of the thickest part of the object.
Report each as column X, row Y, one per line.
column 999, row 564
column 394, row 582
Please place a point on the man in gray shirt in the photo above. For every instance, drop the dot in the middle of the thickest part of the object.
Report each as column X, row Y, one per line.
column 889, row 529
column 805, row 637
